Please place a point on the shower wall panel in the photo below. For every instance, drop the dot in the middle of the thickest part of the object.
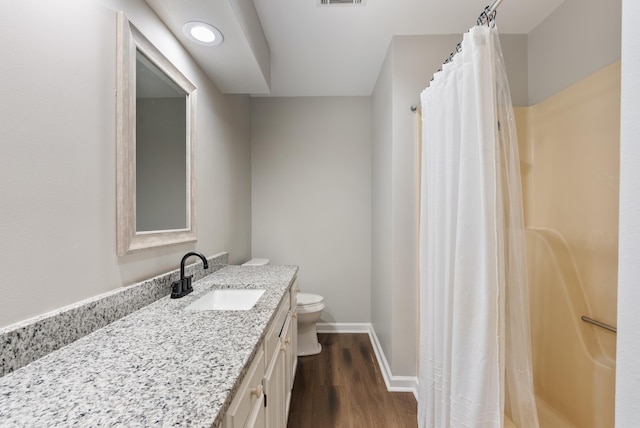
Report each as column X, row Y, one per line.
column 575, row 183
column 569, row 151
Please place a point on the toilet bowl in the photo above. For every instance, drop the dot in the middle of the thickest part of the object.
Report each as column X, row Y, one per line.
column 309, row 310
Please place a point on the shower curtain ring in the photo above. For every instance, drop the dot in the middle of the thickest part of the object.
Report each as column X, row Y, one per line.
column 484, row 16
column 491, row 19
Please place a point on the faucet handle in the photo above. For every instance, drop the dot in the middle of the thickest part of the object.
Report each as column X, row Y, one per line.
column 181, row 287
column 176, row 289
column 186, row 284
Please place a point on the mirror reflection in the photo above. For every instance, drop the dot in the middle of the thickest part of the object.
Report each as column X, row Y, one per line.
column 161, row 149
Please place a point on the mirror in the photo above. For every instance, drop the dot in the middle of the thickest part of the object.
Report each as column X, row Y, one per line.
column 155, row 146
column 161, row 181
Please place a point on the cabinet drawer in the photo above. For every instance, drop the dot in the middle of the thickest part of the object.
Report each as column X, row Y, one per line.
column 249, row 396
column 272, row 338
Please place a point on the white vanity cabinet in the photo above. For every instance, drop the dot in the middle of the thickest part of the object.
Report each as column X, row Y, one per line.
column 265, row 393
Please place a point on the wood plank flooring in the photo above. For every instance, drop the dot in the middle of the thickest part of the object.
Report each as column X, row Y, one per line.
column 343, row 387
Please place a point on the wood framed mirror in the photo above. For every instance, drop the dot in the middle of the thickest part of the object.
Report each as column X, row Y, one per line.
column 156, row 121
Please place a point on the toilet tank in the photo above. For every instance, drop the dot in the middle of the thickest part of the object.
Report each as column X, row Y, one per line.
column 256, row 262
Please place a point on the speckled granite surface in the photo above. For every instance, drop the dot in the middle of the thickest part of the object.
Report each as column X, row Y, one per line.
column 29, row 340
column 159, row 366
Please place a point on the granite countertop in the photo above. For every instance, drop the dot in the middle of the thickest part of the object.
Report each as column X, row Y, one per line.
column 159, row 366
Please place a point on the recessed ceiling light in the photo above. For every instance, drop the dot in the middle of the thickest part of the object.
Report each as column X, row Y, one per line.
column 202, row 33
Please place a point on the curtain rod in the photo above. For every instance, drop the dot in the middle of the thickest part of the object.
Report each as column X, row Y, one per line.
column 487, row 16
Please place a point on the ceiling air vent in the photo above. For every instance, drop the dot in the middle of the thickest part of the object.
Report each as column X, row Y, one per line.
column 341, row 2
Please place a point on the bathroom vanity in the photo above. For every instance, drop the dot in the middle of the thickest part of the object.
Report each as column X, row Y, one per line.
column 264, row 396
column 164, row 365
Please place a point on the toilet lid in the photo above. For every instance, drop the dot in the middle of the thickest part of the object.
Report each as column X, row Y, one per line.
column 305, row 299
column 256, row 262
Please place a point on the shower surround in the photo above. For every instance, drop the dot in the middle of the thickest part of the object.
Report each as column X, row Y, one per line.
column 569, row 153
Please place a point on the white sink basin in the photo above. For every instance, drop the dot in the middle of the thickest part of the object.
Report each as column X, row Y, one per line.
column 227, row 300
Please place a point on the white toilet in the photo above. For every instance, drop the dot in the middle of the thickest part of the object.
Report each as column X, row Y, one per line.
column 309, row 310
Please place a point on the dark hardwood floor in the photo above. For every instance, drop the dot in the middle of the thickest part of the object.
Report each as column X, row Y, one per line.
column 343, row 387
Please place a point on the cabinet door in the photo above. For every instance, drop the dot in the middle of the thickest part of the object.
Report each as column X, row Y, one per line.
column 274, row 389
column 245, row 408
column 288, row 373
column 272, row 338
column 257, row 418
column 294, row 331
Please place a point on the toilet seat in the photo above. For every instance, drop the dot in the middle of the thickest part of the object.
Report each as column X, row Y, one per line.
column 307, row 299
column 309, row 303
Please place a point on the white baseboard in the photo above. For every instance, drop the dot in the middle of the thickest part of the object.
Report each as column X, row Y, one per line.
column 343, row 327
column 393, row 383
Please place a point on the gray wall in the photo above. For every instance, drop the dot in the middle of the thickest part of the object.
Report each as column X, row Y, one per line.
column 57, row 162
column 579, row 38
column 311, row 196
column 628, row 346
column 381, row 206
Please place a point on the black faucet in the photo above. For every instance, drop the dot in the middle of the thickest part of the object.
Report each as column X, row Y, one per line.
column 183, row 286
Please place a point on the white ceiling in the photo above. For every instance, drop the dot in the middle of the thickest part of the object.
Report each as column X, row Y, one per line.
column 324, row 50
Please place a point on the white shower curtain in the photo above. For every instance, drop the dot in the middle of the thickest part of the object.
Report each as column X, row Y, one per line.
column 475, row 358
